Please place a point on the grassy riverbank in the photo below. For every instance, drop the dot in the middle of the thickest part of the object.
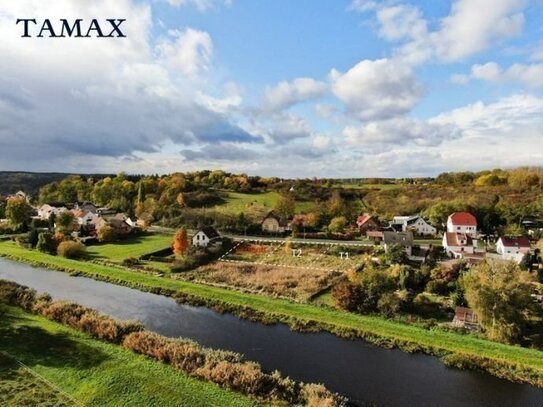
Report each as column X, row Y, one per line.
column 511, row 362
column 91, row 371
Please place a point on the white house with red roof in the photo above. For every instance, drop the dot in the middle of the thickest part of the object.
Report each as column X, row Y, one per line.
column 513, row 248
column 462, row 222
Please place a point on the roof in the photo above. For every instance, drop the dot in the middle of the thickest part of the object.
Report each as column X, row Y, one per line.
column 463, row 218
column 210, row 232
column 455, row 239
column 363, row 219
column 402, row 238
column 117, row 223
column 274, row 215
column 520, row 241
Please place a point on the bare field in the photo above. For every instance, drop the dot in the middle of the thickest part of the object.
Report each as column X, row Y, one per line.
column 298, row 255
column 299, row 284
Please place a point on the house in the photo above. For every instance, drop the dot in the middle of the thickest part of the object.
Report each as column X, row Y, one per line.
column 462, row 222
column 20, row 194
column 46, row 210
column 120, row 226
column 105, row 211
column 404, row 239
column 205, row 236
column 367, row 223
column 414, row 223
column 273, row 223
column 125, row 218
column 513, row 248
column 465, row 318
column 459, row 244
column 86, row 206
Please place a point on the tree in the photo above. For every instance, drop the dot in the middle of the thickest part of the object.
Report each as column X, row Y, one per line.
column 396, row 254
column 337, row 224
column 18, row 212
column 347, row 296
column 180, row 242
column 47, row 243
column 374, row 283
column 65, row 221
column 71, row 249
column 106, row 233
column 336, row 205
column 285, row 206
column 500, row 293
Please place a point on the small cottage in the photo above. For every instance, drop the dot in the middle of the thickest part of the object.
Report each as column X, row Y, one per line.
column 367, row 223
column 273, row 223
column 205, row 236
column 404, row 239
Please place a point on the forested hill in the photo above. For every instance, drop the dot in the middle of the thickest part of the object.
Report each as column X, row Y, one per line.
column 31, row 182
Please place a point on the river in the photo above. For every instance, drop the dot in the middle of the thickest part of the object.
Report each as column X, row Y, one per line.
column 363, row 372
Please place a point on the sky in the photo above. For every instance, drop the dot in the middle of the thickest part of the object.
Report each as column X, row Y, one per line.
column 305, row 88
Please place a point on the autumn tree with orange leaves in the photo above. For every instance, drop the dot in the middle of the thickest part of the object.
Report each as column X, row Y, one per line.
column 180, row 242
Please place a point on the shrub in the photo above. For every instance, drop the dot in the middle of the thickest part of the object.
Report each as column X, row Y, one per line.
column 347, row 296
column 71, row 249
column 389, row 304
column 47, row 243
column 131, row 262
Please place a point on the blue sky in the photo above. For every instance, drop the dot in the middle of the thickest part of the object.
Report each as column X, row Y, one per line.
column 289, row 88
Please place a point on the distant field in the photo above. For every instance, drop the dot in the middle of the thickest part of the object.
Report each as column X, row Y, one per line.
column 133, row 247
column 238, row 202
column 93, row 372
column 370, row 186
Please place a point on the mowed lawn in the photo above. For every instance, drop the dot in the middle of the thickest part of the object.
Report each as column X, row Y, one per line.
column 237, row 202
column 133, row 247
column 92, row 372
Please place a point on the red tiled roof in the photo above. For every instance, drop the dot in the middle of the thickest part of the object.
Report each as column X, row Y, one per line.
column 515, row 241
column 463, row 218
column 363, row 219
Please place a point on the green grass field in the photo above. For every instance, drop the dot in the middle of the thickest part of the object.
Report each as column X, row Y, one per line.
column 132, row 247
column 20, row 387
column 237, row 202
column 436, row 340
column 94, row 373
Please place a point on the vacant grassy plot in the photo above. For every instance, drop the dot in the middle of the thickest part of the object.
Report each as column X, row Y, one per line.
column 298, row 284
column 92, row 372
column 387, row 331
column 237, row 202
column 318, row 257
column 19, row 387
column 132, row 247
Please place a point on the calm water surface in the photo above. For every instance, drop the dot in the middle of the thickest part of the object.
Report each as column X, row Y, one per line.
column 363, row 372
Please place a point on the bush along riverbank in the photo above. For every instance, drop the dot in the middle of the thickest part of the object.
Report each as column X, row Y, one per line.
column 455, row 350
column 227, row 369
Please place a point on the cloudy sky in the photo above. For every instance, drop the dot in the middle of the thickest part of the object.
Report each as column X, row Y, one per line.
column 275, row 87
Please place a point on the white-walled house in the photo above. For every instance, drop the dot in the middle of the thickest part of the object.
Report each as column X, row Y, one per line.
column 414, row 223
column 513, row 248
column 459, row 244
column 205, row 236
column 462, row 222
column 45, row 211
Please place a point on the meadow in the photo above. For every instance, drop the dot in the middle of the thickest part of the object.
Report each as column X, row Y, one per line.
column 136, row 246
column 93, row 372
column 237, row 202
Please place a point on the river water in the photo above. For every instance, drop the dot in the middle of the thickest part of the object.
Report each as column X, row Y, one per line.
column 363, row 372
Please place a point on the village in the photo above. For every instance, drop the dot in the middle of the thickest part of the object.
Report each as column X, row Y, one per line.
column 285, row 258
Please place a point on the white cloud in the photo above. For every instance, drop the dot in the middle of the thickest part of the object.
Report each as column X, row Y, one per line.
column 507, row 117
column 474, row 25
column 322, row 142
column 377, row 89
column 72, row 100
column 530, row 75
column 399, row 22
column 189, row 50
column 471, row 26
column 202, row 5
column 399, row 131
column 286, row 94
